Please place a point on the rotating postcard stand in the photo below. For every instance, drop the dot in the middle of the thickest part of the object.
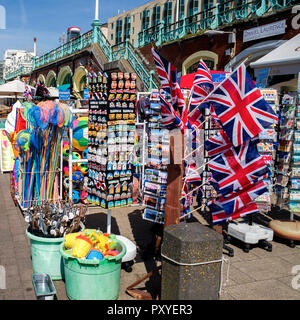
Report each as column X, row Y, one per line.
column 111, row 142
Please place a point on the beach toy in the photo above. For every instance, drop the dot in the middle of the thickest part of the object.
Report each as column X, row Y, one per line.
column 80, row 133
column 83, row 196
column 66, row 151
column 77, row 177
column 76, row 156
column 22, row 141
column 66, row 183
column 81, row 247
column 70, row 239
column 103, row 243
column 76, row 196
column 85, row 154
column 95, row 255
column 83, row 168
column 112, row 253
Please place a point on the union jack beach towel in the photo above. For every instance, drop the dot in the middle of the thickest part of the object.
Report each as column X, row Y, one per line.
column 240, row 107
column 237, row 167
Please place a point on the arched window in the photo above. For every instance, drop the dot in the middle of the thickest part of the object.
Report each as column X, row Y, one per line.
column 190, row 65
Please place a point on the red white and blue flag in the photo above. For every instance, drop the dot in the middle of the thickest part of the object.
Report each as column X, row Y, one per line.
column 240, row 107
column 217, row 144
column 202, row 86
column 170, row 118
column 237, row 167
column 237, row 200
column 220, row 216
column 168, row 78
column 192, row 175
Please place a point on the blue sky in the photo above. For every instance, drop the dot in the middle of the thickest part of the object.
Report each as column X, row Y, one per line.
column 48, row 19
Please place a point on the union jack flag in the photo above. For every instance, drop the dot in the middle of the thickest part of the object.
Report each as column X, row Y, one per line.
column 220, row 216
column 237, row 200
column 193, row 138
column 217, row 144
column 168, row 78
column 170, row 118
column 237, row 167
column 202, row 86
column 192, row 175
column 197, row 118
column 186, row 201
column 240, row 107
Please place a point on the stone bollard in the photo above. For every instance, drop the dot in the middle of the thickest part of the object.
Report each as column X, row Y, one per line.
column 184, row 245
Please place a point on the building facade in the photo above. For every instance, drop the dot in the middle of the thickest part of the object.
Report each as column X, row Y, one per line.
column 16, row 60
column 130, row 24
column 1, row 72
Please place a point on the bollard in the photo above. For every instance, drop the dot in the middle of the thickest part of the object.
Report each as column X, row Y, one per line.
column 191, row 262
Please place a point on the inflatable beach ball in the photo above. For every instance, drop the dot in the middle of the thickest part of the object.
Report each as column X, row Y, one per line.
column 80, row 133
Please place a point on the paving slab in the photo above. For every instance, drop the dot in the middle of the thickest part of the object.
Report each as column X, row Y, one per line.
column 264, row 268
column 263, row 290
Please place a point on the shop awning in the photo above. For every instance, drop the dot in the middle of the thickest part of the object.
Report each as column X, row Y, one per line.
column 283, row 60
column 253, row 53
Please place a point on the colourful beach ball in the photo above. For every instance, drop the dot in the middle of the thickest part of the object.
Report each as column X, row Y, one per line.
column 80, row 133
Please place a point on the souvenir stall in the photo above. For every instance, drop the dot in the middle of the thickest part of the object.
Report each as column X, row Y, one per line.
column 279, row 65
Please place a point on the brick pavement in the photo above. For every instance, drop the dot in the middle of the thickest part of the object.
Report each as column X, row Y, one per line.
column 255, row 275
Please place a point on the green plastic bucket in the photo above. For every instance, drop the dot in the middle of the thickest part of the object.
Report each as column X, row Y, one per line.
column 93, row 279
column 46, row 257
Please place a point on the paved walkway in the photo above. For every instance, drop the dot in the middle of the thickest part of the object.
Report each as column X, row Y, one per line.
column 255, row 275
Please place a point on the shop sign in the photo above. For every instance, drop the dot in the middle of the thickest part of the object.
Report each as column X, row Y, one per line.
column 64, row 94
column 267, row 30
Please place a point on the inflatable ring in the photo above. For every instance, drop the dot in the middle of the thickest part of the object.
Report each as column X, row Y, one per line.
column 76, row 156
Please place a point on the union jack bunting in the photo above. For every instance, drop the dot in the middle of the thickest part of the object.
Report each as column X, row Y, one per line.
column 237, row 167
column 202, row 85
column 168, row 78
column 240, row 107
column 170, row 118
column 237, row 200
column 217, row 144
column 219, row 215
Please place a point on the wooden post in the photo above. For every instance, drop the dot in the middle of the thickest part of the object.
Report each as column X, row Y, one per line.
column 174, row 182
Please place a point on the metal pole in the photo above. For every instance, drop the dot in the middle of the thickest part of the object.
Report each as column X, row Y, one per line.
column 97, row 10
column 108, row 221
column 71, row 161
